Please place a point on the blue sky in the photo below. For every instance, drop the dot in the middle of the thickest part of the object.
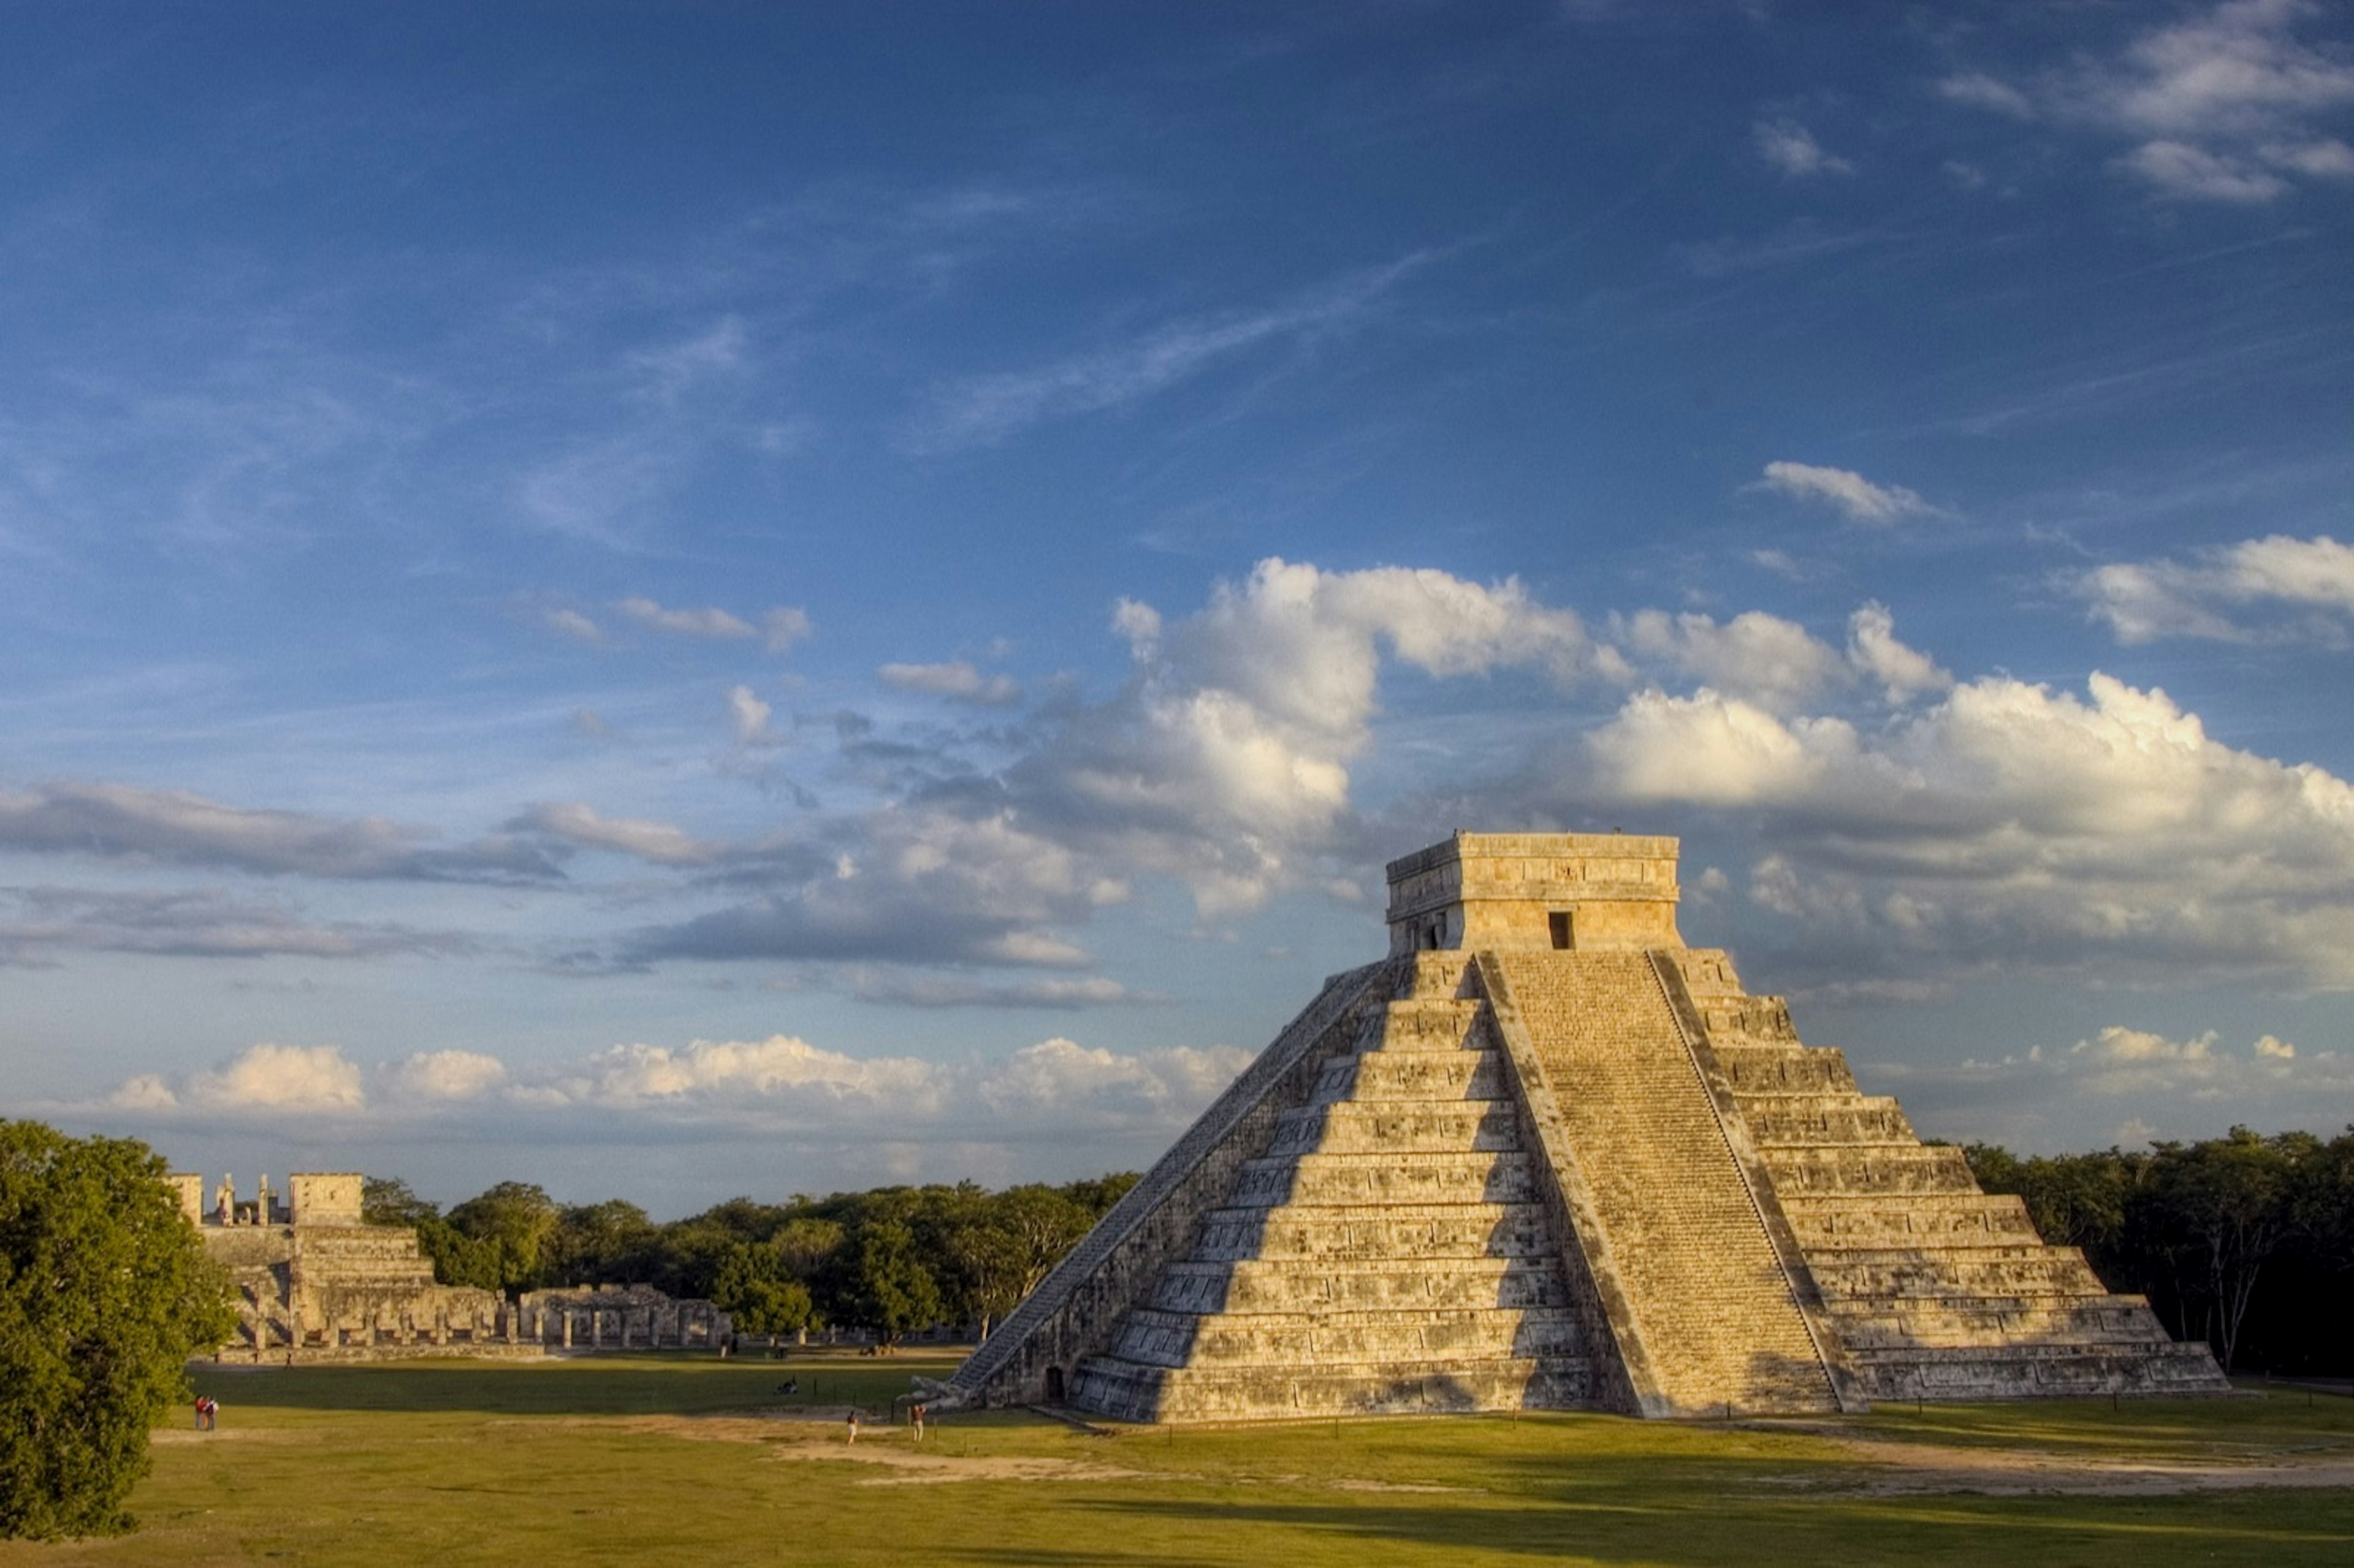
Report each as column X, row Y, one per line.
column 675, row 600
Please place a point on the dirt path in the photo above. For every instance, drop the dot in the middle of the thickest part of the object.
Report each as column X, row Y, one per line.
column 1906, row 1468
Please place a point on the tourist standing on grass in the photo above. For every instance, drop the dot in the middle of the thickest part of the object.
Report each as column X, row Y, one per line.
column 916, row 1416
column 853, row 1424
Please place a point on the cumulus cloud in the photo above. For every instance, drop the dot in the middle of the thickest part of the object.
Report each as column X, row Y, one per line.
column 1224, row 760
column 2009, row 820
column 283, row 1080
column 124, row 822
column 1763, row 658
column 782, row 1084
column 1845, row 492
column 1874, row 653
column 1790, row 148
column 958, row 679
column 2275, row 588
column 443, row 1075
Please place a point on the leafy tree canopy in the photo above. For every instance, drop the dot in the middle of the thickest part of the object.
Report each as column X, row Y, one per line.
column 105, row 1291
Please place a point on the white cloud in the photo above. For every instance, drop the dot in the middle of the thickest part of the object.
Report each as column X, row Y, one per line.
column 2273, row 588
column 1759, row 657
column 2215, row 102
column 2327, row 158
column 1225, row 762
column 2187, row 173
column 2239, row 69
column 284, row 1080
column 782, row 1084
column 579, row 825
column 1791, row 148
column 1873, row 651
column 444, row 1075
column 1979, row 91
column 575, row 625
column 2008, row 820
column 715, row 624
column 1854, row 497
column 749, row 716
column 785, row 625
column 958, row 679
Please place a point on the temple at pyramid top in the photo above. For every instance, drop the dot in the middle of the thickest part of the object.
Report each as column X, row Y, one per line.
column 1596, row 893
column 1545, row 1156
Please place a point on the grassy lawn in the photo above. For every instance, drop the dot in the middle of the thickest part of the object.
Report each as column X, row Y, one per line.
column 664, row 1459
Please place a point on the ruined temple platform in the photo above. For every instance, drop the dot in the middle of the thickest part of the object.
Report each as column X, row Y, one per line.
column 1545, row 1156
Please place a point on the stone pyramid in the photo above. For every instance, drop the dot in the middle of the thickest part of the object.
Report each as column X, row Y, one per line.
column 1542, row 1157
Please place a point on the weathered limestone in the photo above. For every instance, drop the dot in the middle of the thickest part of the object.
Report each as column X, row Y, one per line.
column 317, row 1284
column 638, row 1317
column 1574, row 1165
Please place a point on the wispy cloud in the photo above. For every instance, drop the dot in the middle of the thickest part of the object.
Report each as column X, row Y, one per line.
column 195, row 924
column 715, row 624
column 2270, row 589
column 958, row 679
column 983, row 410
column 2224, row 106
column 124, row 822
column 1845, row 492
column 1791, row 149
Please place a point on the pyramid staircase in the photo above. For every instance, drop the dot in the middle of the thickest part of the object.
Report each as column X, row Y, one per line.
column 1387, row 1252
column 1938, row 1291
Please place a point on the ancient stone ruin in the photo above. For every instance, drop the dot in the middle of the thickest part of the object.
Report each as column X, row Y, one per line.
column 316, row 1282
column 621, row 1317
column 1545, row 1156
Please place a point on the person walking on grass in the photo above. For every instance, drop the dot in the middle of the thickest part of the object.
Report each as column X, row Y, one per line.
column 854, row 1425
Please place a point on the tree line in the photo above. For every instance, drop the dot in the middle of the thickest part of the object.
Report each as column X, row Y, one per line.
column 891, row 1260
column 2244, row 1241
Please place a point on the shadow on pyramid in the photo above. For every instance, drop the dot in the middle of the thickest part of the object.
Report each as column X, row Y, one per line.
column 1545, row 1156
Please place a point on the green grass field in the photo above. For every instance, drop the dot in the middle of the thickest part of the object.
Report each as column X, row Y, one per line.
column 662, row 1459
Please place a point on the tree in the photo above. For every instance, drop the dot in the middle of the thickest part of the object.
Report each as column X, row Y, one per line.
column 891, row 1290
column 388, row 1201
column 751, row 1286
column 517, row 1221
column 105, row 1291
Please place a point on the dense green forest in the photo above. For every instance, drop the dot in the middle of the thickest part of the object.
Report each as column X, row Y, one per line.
column 894, row 1260
column 2244, row 1241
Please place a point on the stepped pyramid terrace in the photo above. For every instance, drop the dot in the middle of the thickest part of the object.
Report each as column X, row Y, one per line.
column 1545, row 1156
